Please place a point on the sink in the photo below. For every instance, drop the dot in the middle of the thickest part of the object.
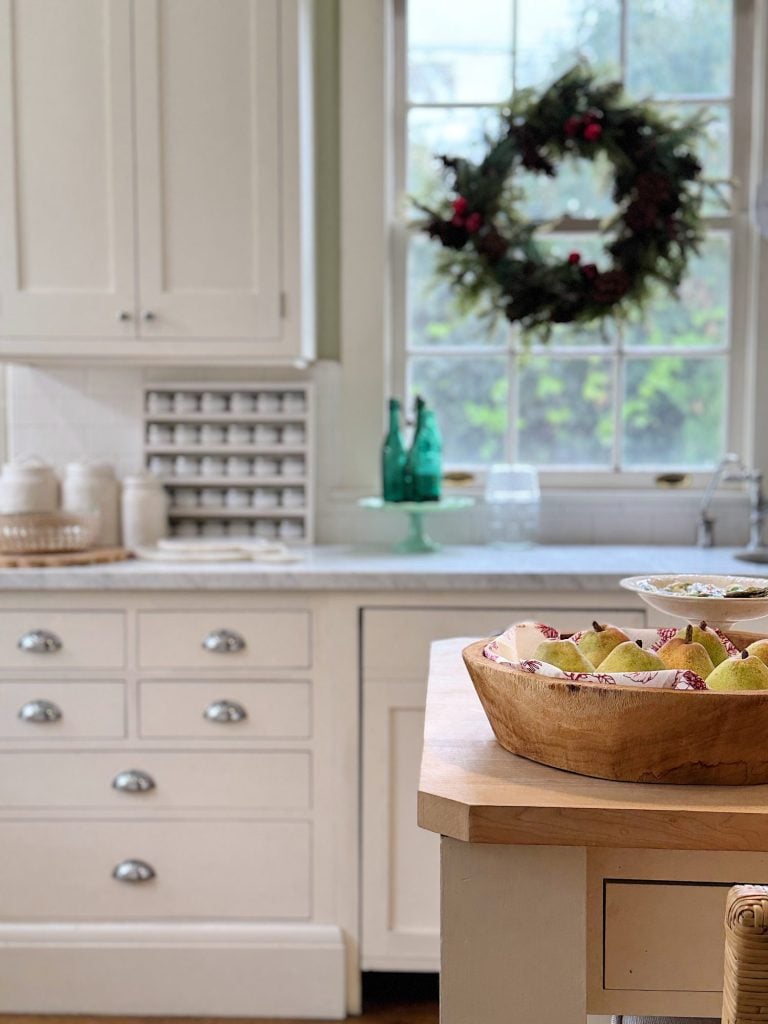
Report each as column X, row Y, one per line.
column 757, row 555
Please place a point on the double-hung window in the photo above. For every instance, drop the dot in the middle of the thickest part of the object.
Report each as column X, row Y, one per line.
column 611, row 401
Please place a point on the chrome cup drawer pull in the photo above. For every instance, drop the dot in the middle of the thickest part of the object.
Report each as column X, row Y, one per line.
column 39, row 641
column 133, row 871
column 39, row 711
column 225, row 711
column 224, row 641
column 133, row 781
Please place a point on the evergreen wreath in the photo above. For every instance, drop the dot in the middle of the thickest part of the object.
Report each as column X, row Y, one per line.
column 491, row 252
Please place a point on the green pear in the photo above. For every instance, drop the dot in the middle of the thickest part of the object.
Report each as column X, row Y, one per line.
column 759, row 649
column 709, row 640
column 683, row 652
column 631, row 657
column 598, row 642
column 744, row 673
column 563, row 654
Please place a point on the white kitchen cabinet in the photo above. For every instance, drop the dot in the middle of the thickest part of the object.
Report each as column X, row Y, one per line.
column 157, row 182
column 196, row 802
column 401, row 863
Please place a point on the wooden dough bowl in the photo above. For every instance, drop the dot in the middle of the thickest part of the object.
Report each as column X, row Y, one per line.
column 627, row 733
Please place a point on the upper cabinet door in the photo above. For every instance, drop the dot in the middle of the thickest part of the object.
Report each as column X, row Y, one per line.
column 208, row 106
column 66, row 160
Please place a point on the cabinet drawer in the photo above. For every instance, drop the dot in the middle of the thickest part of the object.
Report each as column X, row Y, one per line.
column 396, row 640
column 42, row 640
column 74, row 710
column 201, row 869
column 271, row 710
column 664, row 936
column 264, row 780
column 258, row 639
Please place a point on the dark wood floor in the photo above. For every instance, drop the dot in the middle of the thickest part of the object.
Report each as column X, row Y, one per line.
column 387, row 999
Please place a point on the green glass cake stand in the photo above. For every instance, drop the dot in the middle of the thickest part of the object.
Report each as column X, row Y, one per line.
column 417, row 541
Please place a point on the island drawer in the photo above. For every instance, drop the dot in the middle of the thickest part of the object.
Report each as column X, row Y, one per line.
column 137, row 780
column 396, row 640
column 225, row 709
column 42, row 710
column 222, row 639
column 196, row 869
column 43, row 640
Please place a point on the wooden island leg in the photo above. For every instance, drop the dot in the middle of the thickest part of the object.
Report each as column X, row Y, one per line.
column 513, row 934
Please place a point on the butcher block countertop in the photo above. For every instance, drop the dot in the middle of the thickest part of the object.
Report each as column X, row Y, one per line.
column 473, row 790
column 543, row 568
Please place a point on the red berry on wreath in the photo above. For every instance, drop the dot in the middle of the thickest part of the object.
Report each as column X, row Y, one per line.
column 473, row 222
column 574, row 258
column 571, row 125
column 589, row 270
column 457, row 220
column 460, row 205
column 593, row 132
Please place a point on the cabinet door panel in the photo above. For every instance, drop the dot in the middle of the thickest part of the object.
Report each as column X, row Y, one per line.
column 401, row 862
column 66, row 185
column 207, row 108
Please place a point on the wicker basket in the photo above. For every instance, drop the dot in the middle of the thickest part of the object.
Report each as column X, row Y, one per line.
column 43, row 532
column 626, row 733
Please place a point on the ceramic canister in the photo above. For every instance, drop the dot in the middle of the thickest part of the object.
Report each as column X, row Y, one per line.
column 93, row 487
column 28, row 485
column 145, row 511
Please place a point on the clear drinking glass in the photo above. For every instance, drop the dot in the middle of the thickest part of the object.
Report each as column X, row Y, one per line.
column 512, row 499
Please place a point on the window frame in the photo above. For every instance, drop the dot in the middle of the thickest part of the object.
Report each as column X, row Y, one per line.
column 748, row 105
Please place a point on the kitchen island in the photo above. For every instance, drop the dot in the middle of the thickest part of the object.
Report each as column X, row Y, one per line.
column 277, row 711
column 563, row 895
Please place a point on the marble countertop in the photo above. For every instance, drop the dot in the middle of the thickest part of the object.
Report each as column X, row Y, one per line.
column 340, row 568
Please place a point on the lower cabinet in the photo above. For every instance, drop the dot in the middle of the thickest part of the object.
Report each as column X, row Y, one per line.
column 173, row 827
column 401, row 862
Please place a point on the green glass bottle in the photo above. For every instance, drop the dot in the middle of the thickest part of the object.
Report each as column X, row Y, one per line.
column 409, row 472
column 428, row 461
column 393, row 457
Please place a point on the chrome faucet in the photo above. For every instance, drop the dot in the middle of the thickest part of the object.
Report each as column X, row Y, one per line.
column 731, row 468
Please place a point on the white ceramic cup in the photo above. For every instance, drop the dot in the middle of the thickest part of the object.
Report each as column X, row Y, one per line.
column 239, row 433
column 159, row 402
column 214, row 528
column 160, row 433
column 268, row 401
column 241, row 401
column 293, row 433
column 237, row 497
column 265, row 465
column 185, row 497
column 293, row 402
column 186, row 433
column 292, row 465
column 266, row 434
column 292, row 497
column 239, row 528
column 213, row 433
column 265, row 497
column 214, row 401
column 266, row 529
column 185, row 401
column 212, row 497
column 186, row 465
column 291, row 529
column 161, row 465
column 185, row 528
column 212, row 465
column 238, row 465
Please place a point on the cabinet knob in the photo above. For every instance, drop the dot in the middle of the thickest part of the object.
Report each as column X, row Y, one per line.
column 133, row 781
column 224, row 641
column 39, row 711
column 123, row 315
column 133, row 871
column 148, row 315
column 225, row 711
column 39, row 641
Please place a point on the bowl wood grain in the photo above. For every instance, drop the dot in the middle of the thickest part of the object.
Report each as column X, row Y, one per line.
column 627, row 733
